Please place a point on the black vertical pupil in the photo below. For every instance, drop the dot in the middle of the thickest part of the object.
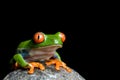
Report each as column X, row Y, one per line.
column 38, row 36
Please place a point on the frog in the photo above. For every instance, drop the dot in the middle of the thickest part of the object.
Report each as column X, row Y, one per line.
column 41, row 47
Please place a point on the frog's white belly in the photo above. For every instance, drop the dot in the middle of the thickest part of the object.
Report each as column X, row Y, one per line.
column 42, row 53
column 40, row 57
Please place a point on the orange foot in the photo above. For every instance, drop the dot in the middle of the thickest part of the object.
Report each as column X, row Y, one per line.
column 16, row 65
column 58, row 63
column 32, row 65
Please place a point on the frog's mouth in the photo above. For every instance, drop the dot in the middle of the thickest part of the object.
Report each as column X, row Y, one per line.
column 43, row 53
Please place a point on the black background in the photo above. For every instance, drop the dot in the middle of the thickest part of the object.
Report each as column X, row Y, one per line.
column 79, row 29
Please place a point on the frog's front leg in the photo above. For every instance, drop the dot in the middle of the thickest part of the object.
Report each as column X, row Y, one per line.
column 31, row 65
column 58, row 63
column 20, row 61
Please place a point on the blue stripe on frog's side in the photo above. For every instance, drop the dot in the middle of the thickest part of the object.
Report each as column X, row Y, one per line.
column 23, row 52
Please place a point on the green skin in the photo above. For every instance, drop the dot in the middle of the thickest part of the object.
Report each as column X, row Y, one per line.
column 49, row 46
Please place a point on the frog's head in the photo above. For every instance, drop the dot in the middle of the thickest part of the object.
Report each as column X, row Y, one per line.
column 46, row 40
column 45, row 45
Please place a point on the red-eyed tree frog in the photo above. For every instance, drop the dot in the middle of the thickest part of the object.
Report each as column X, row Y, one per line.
column 42, row 47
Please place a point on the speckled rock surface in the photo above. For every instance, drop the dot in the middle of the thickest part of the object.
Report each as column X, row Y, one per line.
column 48, row 74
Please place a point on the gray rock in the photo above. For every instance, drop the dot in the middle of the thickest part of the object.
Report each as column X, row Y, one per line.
column 48, row 74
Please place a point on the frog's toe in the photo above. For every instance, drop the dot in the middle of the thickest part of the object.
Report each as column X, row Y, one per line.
column 31, row 69
column 41, row 66
column 16, row 65
column 50, row 62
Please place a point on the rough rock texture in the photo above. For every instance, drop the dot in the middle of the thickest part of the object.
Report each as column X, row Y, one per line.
column 48, row 74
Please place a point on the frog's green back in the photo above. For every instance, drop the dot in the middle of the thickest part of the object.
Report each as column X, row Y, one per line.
column 24, row 44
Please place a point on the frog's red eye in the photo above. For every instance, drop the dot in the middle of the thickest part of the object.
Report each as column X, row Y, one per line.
column 62, row 35
column 38, row 37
